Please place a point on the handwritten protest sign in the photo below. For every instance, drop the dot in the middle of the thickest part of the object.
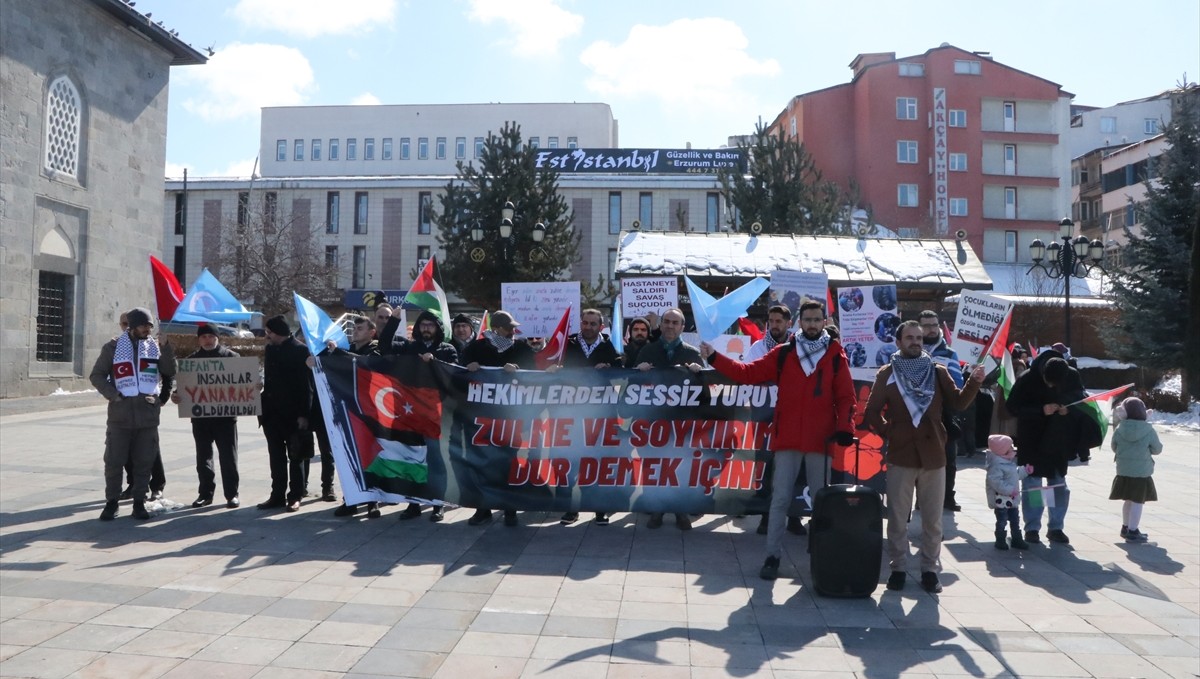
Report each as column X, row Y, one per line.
column 218, row 387
column 979, row 317
column 640, row 296
column 538, row 307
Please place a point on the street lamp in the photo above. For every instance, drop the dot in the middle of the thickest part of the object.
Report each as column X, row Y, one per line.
column 1075, row 258
column 508, row 217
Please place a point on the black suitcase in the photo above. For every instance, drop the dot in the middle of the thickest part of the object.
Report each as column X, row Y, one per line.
column 845, row 539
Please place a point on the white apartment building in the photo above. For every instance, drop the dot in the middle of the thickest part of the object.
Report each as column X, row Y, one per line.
column 415, row 139
column 1121, row 124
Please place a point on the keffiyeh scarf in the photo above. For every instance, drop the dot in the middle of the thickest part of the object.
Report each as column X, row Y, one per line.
column 135, row 371
column 811, row 352
column 502, row 344
column 589, row 348
column 915, row 377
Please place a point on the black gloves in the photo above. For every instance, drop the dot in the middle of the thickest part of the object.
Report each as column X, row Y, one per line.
column 844, row 438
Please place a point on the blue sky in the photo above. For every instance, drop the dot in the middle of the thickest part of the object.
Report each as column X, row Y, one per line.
column 673, row 71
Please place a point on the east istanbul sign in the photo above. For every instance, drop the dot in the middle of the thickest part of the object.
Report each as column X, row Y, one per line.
column 641, row 161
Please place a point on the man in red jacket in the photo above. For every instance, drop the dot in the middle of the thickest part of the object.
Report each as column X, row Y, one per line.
column 815, row 405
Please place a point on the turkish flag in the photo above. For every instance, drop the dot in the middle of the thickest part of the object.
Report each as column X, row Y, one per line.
column 396, row 408
column 168, row 293
column 122, row 369
column 553, row 352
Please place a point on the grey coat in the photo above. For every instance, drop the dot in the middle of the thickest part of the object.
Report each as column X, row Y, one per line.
column 132, row 412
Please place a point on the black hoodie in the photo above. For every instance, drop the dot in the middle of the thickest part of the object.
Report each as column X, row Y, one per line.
column 440, row 348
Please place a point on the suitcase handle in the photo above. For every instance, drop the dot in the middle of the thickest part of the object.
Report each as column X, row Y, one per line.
column 857, row 452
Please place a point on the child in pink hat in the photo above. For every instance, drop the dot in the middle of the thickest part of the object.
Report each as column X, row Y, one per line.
column 1004, row 487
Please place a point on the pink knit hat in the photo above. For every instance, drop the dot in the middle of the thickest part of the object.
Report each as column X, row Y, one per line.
column 1001, row 445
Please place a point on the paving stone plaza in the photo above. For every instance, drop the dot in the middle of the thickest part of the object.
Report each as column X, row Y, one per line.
column 218, row 593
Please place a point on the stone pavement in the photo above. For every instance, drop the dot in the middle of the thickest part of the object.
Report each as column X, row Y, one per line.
column 244, row 593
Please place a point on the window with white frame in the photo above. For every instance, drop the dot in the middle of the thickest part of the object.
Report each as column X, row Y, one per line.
column 572, row 142
column 906, row 108
column 441, row 148
column 552, row 142
column 911, row 70
column 957, row 117
column 423, row 253
column 535, row 142
column 64, row 115
column 422, row 148
column 315, row 146
column 298, row 152
column 405, row 148
column 1010, row 246
column 351, row 149
column 958, row 207
column 1108, row 124
column 369, row 148
column 460, row 147
column 478, row 146
column 281, row 150
column 1150, row 125
column 386, row 151
column 958, row 162
column 968, row 67
column 906, row 195
column 333, row 149
column 906, row 151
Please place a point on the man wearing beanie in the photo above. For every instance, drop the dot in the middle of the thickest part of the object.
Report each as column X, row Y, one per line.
column 210, row 431
column 136, row 377
column 286, row 404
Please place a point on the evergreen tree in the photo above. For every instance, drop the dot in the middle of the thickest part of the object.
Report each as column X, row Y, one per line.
column 474, row 270
column 785, row 191
column 1162, row 262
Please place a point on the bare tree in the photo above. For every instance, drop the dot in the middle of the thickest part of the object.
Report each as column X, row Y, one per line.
column 265, row 255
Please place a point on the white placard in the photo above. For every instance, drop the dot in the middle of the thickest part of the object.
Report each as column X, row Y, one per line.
column 640, row 296
column 979, row 317
column 792, row 288
column 538, row 307
column 869, row 317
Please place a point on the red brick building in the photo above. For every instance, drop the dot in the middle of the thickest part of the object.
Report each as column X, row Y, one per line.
column 943, row 141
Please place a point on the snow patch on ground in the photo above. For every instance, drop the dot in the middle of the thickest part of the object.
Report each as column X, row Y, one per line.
column 1170, row 384
column 1108, row 364
column 1188, row 420
column 61, row 392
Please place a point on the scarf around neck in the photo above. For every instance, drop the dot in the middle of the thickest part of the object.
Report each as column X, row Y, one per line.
column 670, row 347
column 916, row 379
column 811, row 351
column 135, row 370
column 502, row 344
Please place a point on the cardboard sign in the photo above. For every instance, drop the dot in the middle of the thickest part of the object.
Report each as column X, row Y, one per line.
column 538, row 307
column 640, row 296
column 218, row 387
column 979, row 317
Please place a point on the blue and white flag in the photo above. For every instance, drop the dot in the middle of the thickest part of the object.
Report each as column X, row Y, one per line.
column 616, row 334
column 714, row 315
column 317, row 326
column 207, row 301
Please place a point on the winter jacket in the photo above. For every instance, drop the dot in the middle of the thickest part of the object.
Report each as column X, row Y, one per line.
column 487, row 355
column 923, row 446
column 943, row 355
column 1003, row 479
column 1050, row 442
column 605, row 352
column 1135, row 442
column 655, row 353
column 440, row 348
column 809, row 409
column 132, row 412
column 287, row 392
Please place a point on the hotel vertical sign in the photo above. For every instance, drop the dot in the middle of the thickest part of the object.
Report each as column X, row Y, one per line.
column 941, row 165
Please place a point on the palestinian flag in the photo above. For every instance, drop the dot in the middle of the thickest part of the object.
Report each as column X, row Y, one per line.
column 485, row 324
column 1098, row 405
column 998, row 351
column 168, row 293
column 427, row 293
column 391, row 406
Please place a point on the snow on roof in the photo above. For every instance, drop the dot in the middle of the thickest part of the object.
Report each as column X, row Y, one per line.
column 917, row 263
column 1016, row 279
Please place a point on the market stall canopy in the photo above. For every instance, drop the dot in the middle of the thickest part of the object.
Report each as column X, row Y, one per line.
column 920, row 268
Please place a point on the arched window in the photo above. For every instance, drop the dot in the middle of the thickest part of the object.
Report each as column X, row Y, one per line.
column 64, row 111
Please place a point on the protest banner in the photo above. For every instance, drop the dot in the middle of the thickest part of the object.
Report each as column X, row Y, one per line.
column 649, row 294
column 868, row 318
column 793, row 288
column 575, row 440
column 539, row 306
column 979, row 317
column 218, row 387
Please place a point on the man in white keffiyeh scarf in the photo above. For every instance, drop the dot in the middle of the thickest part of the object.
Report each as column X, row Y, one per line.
column 779, row 331
column 905, row 408
column 128, row 373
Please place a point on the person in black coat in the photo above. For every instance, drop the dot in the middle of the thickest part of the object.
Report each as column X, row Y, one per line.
column 498, row 349
column 429, row 343
column 462, row 332
column 218, row 431
column 1049, row 436
column 286, row 408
